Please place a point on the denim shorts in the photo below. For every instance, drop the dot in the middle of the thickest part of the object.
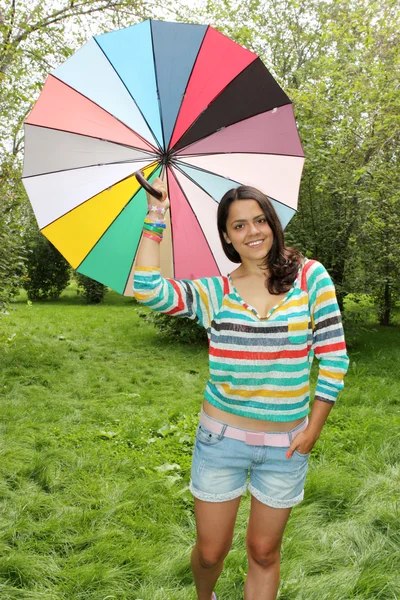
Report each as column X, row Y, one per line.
column 221, row 465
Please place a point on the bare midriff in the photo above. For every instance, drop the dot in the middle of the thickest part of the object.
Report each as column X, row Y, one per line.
column 248, row 422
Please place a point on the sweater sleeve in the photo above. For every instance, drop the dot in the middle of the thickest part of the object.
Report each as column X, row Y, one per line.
column 195, row 299
column 328, row 337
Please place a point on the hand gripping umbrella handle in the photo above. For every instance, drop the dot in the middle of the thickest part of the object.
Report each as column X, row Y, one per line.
column 145, row 184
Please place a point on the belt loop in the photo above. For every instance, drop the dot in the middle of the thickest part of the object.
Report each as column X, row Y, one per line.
column 290, row 438
column 221, row 435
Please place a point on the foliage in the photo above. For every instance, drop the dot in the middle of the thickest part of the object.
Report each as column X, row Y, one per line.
column 92, row 290
column 339, row 63
column 98, row 417
column 11, row 258
column 12, row 266
column 377, row 239
column 360, row 308
column 358, row 315
column 182, row 330
column 47, row 271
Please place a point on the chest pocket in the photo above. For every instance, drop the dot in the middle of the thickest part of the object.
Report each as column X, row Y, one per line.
column 298, row 329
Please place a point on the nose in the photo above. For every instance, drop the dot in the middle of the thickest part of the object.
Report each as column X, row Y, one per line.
column 254, row 230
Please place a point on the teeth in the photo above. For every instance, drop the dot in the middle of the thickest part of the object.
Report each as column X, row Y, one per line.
column 255, row 243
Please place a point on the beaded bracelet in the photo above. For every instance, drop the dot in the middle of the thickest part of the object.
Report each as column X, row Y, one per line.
column 157, row 209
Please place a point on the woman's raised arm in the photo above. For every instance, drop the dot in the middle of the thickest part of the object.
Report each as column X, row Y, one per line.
column 181, row 298
column 149, row 249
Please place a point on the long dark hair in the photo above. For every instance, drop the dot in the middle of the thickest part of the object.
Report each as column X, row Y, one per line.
column 282, row 262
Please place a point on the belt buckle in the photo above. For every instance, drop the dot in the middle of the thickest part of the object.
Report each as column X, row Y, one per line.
column 254, row 438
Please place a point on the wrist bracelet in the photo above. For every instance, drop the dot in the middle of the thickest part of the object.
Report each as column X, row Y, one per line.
column 152, row 223
column 153, row 229
column 150, row 236
column 157, row 209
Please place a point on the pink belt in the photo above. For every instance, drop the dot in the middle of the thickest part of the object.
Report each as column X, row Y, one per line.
column 282, row 439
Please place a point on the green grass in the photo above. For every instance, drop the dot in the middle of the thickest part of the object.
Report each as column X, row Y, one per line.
column 98, row 414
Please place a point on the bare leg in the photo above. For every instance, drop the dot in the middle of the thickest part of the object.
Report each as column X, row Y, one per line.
column 215, row 522
column 264, row 539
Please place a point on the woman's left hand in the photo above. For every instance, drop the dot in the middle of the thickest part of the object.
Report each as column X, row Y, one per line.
column 303, row 442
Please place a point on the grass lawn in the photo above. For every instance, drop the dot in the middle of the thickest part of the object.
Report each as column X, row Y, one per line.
column 98, row 415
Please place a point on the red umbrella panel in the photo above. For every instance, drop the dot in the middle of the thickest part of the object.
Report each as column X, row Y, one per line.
column 166, row 97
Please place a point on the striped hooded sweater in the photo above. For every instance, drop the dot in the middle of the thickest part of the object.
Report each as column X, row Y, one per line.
column 260, row 367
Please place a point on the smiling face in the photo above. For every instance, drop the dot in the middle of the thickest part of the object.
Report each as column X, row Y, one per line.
column 248, row 231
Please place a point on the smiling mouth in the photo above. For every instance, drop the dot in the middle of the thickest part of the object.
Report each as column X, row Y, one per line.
column 255, row 244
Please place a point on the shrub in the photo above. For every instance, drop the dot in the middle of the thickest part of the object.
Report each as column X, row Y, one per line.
column 12, row 244
column 92, row 290
column 360, row 309
column 12, row 265
column 48, row 272
column 359, row 312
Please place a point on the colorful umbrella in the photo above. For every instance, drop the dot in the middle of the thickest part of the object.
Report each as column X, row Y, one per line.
column 155, row 96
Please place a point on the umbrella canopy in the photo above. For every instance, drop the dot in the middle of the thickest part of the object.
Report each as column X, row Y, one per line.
column 156, row 96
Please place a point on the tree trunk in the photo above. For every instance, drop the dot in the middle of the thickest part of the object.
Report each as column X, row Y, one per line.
column 386, row 306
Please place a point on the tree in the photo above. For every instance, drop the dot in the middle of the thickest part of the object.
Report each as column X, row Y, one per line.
column 353, row 152
column 12, row 253
column 339, row 63
column 377, row 241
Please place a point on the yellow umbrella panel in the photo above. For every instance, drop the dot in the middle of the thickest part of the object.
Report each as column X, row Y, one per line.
column 100, row 237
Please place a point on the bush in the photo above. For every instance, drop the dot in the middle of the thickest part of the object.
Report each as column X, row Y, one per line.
column 176, row 329
column 359, row 312
column 91, row 290
column 48, row 272
column 12, row 244
column 12, row 266
column 360, row 309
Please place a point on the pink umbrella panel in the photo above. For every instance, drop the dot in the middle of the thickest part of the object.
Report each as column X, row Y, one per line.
column 98, row 120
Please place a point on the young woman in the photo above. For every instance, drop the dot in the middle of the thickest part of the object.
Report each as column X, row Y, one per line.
column 265, row 322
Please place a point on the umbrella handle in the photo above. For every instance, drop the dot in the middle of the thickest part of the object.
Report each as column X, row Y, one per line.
column 145, row 184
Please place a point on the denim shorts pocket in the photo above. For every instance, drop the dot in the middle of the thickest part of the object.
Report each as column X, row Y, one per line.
column 298, row 329
column 300, row 454
column 207, row 437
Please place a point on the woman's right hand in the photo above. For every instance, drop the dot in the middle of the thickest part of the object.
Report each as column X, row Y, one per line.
column 161, row 186
column 148, row 254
